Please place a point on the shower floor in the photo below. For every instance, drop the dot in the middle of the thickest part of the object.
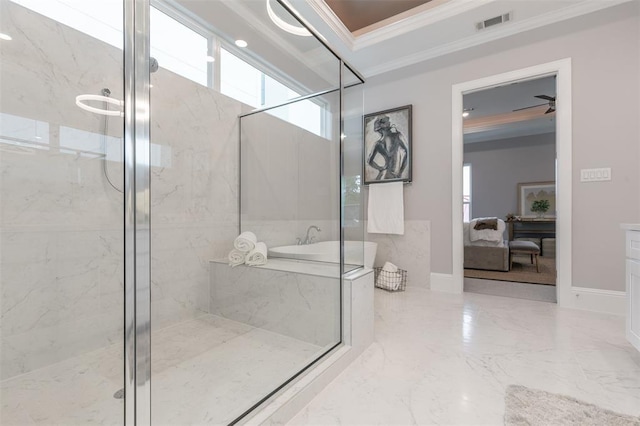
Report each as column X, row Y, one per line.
column 204, row 371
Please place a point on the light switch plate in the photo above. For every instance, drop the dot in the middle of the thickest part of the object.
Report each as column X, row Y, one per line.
column 595, row 175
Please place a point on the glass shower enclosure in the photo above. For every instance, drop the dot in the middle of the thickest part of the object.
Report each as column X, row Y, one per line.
column 138, row 139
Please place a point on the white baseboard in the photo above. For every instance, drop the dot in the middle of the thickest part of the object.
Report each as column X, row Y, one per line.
column 443, row 282
column 591, row 299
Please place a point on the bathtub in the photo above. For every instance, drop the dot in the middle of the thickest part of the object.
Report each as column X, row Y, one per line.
column 329, row 251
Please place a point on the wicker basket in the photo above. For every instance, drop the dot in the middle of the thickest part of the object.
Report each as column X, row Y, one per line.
column 390, row 281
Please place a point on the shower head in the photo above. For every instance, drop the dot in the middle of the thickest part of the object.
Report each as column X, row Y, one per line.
column 153, row 64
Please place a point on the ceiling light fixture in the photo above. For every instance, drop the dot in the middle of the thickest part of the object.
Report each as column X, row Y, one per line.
column 4, row 36
column 466, row 112
column 285, row 26
column 241, row 43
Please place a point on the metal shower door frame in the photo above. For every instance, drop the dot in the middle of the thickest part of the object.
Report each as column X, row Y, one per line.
column 137, row 218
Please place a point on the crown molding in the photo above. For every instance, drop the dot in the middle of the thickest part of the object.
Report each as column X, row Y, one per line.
column 331, row 19
column 508, row 29
column 410, row 20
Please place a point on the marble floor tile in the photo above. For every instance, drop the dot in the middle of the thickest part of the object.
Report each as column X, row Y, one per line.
column 219, row 385
column 204, row 371
column 448, row 359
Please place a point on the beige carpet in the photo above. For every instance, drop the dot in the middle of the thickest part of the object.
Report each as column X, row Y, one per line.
column 530, row 407
column 522, row 271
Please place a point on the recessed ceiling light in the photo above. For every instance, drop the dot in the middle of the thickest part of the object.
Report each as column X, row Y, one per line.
column 241, row 43
column 211, row 58
column 4, row 36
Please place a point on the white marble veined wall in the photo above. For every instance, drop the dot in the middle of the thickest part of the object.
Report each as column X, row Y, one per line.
column 302, row 306
column 60, row 222
column 290, row 178
column 194, row 195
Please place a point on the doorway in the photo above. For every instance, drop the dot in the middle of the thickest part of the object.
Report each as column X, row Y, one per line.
column 510, row 166
column 561, row 71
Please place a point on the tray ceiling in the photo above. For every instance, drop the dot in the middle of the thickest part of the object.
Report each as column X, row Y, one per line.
column 358, row 14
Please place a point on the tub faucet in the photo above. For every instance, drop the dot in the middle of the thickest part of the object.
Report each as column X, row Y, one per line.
column 308, row 239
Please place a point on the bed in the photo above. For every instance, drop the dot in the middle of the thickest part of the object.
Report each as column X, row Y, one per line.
column 485, row 248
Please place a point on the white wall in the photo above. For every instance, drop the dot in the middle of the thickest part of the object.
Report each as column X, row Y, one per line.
column 604, row 48
column 498, row 166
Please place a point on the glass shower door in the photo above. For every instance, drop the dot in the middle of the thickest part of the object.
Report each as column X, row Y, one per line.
column 61, row 210
column 224, row 339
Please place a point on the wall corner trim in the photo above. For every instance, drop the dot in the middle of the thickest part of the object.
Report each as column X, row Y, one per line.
column 596, row 300
column 443, row 283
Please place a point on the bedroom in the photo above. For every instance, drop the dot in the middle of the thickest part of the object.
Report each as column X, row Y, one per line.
column 510, row 169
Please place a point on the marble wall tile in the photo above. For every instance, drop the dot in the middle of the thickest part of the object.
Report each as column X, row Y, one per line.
column 60, row 223
column 47, row 64
column 411, row 251
column 305, row 307
column 290, row 180
column 194, row 193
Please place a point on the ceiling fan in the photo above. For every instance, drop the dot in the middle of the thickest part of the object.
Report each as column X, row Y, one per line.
column 551, row 103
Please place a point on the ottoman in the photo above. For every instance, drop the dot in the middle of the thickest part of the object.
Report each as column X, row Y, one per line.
column 524, row 247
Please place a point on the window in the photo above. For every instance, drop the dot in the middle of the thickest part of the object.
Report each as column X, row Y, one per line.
column 239, row 80
column 178, row 48
column 466, row 192
column 242, row 81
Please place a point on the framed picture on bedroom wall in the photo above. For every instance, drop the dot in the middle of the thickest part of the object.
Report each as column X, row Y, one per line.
column 537, row 199
column 387, row 146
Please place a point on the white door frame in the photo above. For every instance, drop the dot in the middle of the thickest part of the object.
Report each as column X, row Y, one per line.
column 562, row 70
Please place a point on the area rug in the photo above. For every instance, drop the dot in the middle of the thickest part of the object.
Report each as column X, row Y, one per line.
column 531, row 407
column 521, row 272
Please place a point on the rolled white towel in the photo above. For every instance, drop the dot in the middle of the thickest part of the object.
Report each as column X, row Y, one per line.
column 237, row 257
column 389, row 277
column 257, row 256
column 245, row 242
column 390, row 267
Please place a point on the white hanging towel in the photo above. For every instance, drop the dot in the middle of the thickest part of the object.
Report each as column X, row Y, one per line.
column 245, row 242
column 386, row 208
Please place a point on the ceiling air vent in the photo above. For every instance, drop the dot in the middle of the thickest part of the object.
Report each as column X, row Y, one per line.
column 501, row 19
